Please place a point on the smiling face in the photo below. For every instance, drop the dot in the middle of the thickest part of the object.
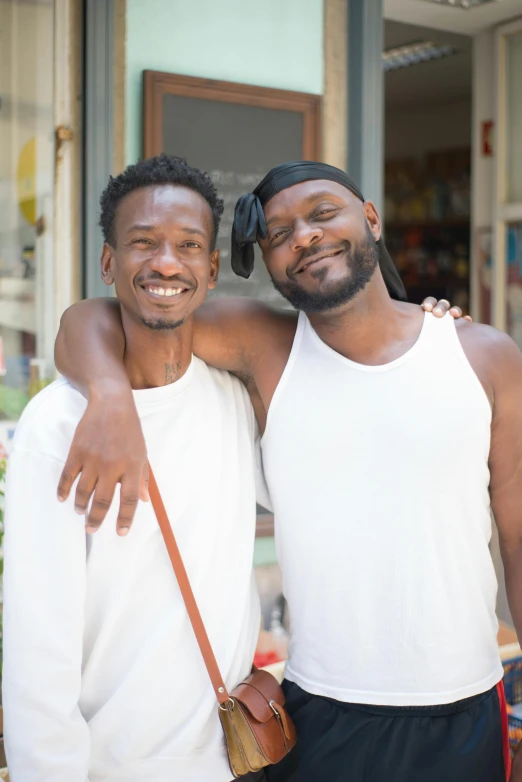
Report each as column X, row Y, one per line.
column 320, row 249
column 163, row 264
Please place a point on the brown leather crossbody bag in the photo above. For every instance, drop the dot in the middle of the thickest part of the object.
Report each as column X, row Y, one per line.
column 258, row 731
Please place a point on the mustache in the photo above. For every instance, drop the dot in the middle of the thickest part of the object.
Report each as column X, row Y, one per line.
column 155, row 276
column 319, row 249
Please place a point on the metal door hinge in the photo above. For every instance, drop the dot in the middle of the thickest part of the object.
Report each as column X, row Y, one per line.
column 63, row 133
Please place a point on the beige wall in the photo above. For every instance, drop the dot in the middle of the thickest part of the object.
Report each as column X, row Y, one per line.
column 335, row 118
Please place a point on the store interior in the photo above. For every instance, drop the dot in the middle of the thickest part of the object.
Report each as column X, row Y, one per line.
column 428, row 110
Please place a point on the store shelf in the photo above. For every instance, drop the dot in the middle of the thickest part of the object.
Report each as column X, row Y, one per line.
column 16, row 288
column 456, row 222
column 19, row 315
column 434, row 282
column 17, row 304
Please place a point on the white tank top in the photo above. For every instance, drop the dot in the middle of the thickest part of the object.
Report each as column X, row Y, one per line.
column 379, row 481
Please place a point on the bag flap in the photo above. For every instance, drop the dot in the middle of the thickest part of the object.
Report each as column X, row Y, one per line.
column 256, row 692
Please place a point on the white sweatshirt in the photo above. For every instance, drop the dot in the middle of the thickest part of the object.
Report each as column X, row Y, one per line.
column 102, row 678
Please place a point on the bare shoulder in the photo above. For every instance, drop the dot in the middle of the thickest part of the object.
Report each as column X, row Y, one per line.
column 495, row 358
column 493, row 344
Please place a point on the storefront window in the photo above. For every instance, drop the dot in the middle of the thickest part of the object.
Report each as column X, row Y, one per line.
column 26, row 187
column 514, row 118
column 514, row 281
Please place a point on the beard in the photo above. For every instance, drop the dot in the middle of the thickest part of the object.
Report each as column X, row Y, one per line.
column 162, row 324
column 361, row 262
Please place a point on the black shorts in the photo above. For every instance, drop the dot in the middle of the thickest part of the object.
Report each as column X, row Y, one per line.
column 343, row 742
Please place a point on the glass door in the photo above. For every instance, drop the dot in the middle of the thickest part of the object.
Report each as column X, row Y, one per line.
column 507, row 278
column 27, row 152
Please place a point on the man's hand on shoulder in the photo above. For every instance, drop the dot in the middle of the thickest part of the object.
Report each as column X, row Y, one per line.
column 108, row 448
column 441, row 307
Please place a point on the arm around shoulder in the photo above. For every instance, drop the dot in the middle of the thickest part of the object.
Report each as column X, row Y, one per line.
column 238, row 333
column 108, row 445
column 90, row 344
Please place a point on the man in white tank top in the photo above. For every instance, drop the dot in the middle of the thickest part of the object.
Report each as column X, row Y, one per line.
column 390, row 437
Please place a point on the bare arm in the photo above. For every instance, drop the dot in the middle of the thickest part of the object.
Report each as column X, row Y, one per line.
column 506, row 469
column 89, row 352
column 497, row 361
column 108, row 446
column 93, row 326
column 227, row 334
column 241, row 335
column 506, row 480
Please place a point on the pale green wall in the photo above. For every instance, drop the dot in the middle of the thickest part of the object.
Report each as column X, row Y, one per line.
column 265, row 553
column 268, row 43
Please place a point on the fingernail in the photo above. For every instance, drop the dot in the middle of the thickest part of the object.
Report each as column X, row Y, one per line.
column 61, row 498
column 90, row 529
column 80, row 511
column 438, row 310
column 122, row 531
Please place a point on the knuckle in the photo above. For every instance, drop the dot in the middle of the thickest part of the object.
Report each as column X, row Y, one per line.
column 129, row 499
column 101, row 504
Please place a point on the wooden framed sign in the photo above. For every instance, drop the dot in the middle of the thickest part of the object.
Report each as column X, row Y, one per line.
column 236, row 133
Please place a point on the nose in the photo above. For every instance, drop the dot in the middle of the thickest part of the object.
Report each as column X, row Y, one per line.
column 166, row 262
column 305, row 235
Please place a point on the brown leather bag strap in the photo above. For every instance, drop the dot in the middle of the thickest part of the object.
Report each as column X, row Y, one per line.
column 186, row 591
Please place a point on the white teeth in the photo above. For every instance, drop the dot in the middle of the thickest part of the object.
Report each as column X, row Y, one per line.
column 164, row 291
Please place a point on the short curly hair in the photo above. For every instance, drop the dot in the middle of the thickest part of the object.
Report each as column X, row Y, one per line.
column 159, row 170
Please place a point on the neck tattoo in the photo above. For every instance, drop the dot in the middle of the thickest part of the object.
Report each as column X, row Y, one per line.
column 172, row 372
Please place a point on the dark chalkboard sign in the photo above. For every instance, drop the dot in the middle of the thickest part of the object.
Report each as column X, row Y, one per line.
column 236, row 133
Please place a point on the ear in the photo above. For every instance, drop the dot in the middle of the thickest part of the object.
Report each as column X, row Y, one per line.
column 214, row 270
column 107, row 264
column 373, row 219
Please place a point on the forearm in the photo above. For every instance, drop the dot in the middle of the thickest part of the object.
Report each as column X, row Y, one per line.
column 90, row 346
column 512, row 560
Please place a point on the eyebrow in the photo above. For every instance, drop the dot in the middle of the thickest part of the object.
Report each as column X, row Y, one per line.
column 185, row 229
column 197, row 231
column 308, row 200
column 141, row 227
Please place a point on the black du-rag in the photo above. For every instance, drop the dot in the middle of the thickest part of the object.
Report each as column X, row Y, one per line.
column 249, row 218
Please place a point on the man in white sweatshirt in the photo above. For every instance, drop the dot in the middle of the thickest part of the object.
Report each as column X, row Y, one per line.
column 103, row 678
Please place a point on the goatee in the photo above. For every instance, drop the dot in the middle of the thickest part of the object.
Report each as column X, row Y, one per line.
column 361, row 262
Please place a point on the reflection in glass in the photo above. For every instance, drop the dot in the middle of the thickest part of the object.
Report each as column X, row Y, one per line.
column 26, row 194
column 514, row 118
column 514, row 281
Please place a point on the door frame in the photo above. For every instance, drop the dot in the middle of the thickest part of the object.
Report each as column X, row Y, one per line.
column 504, row 212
